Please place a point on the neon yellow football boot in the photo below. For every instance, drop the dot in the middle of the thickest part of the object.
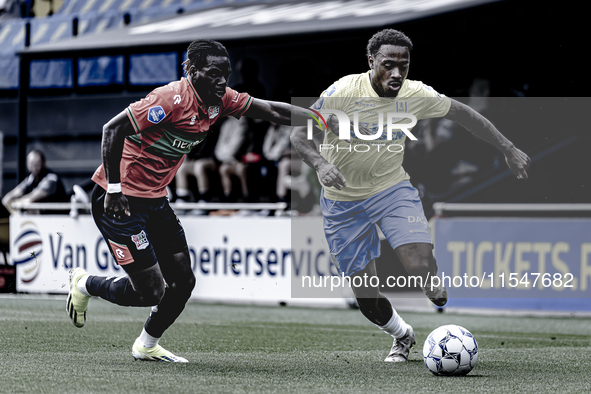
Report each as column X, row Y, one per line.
column 77, row 302
column 156, row 353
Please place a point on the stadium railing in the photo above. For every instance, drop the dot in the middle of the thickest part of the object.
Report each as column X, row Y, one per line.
column 517, row 209
column 49, row 207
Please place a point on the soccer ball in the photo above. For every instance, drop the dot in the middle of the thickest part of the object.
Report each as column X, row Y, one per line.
column 450, row 350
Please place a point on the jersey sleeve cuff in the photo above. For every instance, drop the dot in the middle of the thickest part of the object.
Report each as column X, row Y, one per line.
column 245, row 107
column 134, row 122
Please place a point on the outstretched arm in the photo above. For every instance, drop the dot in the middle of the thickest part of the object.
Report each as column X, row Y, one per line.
column 278, row 112
column 114, row 133
column 328, row 173
column 482, row 128
column 287, row 114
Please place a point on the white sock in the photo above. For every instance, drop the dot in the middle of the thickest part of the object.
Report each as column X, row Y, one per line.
column 82, row 285
column 396, row 327
column 146, row 340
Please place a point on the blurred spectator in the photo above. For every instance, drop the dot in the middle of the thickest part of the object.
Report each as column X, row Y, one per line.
column 229, row 151
column 79, row 195
column 220, row 157
column 201, row 164
column 304, row 184
column 277, row 149
column 221, row 152
column 305, row 187
column 42, row 185
column 226, row 154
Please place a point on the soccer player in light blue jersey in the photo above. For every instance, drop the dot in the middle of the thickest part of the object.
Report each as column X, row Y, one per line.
column 365, row 187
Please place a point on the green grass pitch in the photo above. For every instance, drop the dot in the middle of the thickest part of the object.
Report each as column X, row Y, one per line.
column 277, row 349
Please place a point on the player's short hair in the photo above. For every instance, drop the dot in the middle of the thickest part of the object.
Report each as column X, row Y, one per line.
column 387, row 37
column 198, row 51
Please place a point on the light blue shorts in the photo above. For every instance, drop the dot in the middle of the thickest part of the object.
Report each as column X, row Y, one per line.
column 350, row 226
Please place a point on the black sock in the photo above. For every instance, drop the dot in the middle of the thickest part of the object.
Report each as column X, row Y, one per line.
column 171, row 306
column 117, row 290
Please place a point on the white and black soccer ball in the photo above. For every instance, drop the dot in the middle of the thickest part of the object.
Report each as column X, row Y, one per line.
column 450, row 350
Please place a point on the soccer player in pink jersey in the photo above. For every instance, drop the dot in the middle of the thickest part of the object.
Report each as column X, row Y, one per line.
column 142, row 148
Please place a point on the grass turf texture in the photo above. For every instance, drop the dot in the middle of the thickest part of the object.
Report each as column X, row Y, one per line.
column 274, row 349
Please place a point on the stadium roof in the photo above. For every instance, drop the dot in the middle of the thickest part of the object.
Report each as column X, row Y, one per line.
column 256, row 19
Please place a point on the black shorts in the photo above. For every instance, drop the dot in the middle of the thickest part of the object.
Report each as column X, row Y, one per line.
column 150, row 235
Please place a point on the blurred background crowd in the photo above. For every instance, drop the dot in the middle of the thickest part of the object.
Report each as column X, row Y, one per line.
column 520, row 69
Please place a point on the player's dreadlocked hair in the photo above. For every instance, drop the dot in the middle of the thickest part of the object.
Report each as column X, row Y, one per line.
column 198, row 51
column 387, row 37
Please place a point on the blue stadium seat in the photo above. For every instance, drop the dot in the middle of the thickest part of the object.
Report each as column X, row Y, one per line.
column 102, row 70
column 95, row 22
column 50, row 29
column 54, row 73
column 153, row 68
column 12, row 35
column 12, row 39
column 9, row 64
column 94, row 16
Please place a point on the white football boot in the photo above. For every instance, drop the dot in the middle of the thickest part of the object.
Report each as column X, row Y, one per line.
column 401, row 347
column 156, row 353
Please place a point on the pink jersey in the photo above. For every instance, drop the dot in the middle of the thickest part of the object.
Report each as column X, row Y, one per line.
column 169, row 122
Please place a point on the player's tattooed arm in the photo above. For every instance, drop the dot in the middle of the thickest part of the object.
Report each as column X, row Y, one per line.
column 329, row 174
column 114, row 133
column 482, row 128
